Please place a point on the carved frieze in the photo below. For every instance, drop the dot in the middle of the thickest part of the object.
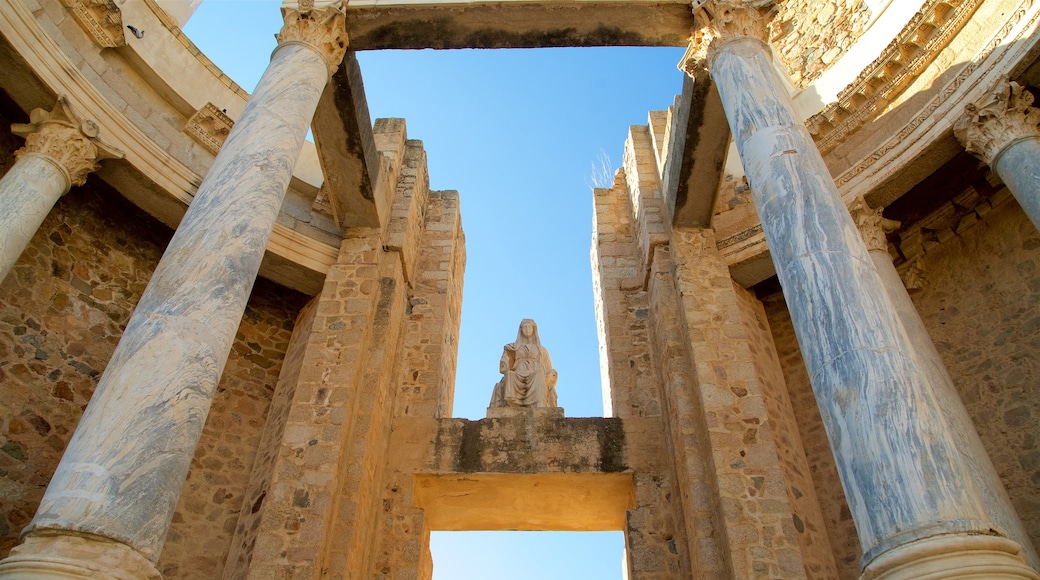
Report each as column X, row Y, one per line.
column 1004, row 116
column 323, row 29
column 916, row 46
column 64, row 138
column 101, row 19
column 209, row 127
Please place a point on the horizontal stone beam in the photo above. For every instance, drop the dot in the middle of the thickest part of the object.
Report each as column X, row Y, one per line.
column 566, row 502
column 342, row 131
column 696, row 153
column 376, row 24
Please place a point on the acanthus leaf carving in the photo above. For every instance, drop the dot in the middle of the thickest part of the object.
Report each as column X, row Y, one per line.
column 1004, row 116
column 70, row 142
column 871, row 224
column 720, row 20
column 324, row 29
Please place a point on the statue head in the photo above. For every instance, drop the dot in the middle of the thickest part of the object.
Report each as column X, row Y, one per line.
column 528, row 332
column 527, row 328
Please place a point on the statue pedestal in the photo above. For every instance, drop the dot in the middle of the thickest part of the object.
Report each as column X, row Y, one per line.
column 535, row 412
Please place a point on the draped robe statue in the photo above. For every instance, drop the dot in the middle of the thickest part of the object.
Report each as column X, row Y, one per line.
column 528, row 379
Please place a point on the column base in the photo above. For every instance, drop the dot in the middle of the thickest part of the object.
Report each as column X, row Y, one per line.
column 68, row 557
column 952, row 557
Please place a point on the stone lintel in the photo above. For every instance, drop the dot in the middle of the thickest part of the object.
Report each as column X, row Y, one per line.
column 696, row 153
column 346, row 147
column 569, row 502
column 374, row 25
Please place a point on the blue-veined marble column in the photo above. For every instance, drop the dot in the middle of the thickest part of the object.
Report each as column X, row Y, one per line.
column 920, row 507
column 1001, row 130
column 60, row 150
column 110, row 502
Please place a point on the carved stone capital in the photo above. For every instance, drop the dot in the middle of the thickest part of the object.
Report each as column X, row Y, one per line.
column 101, row 19
column 721, row 20
column 70, row 142
column 998, row 120
column 323, row 29
column 872, row 226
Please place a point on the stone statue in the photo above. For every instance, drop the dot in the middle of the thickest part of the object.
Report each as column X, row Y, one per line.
column 528, row 379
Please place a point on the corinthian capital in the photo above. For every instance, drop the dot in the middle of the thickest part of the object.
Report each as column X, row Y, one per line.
column 68, row 141
column 998, row 120
column 871, row 225
column 721, row 20
column 323, row 29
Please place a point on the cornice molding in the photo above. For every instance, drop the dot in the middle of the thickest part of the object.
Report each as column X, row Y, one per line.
column 171, row 25
column 974, row 78
column 61, row 76
column 902, row 61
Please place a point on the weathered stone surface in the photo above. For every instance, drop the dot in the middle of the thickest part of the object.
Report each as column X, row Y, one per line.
column 60, row 150
column 64, row 307
column 159, row 384
column 866, row 356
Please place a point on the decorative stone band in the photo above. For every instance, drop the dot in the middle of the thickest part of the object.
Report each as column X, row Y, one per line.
column 80, row 556
column 1002, row 118
column 954, row 556
column 69, row 142
column 872, row 226
column 323, row 29
column 721, row 20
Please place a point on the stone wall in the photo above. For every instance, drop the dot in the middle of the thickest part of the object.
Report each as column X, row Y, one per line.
column 62, row 311
column 981, row 285
column 839, row 527
column 681, row 340
column 209, row 506
column 809, row 36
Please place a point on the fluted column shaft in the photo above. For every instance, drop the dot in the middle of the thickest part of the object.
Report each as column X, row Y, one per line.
column 123, row 470
column 60, row 150
column 1002, row 131
column 894, row 444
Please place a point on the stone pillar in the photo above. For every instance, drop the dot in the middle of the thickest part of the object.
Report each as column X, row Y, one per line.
column 109, row 504
column 919, row 507
column 60, row 150
column 1001, row 130
column 872, row 227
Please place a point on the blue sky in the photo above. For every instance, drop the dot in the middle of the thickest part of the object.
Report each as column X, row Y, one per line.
column 520, row 134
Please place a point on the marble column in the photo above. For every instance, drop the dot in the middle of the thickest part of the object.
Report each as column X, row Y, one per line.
column 110, row 502
column 919, row 507
column 1001, row 130
column 873, row 227
column 60, row 150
